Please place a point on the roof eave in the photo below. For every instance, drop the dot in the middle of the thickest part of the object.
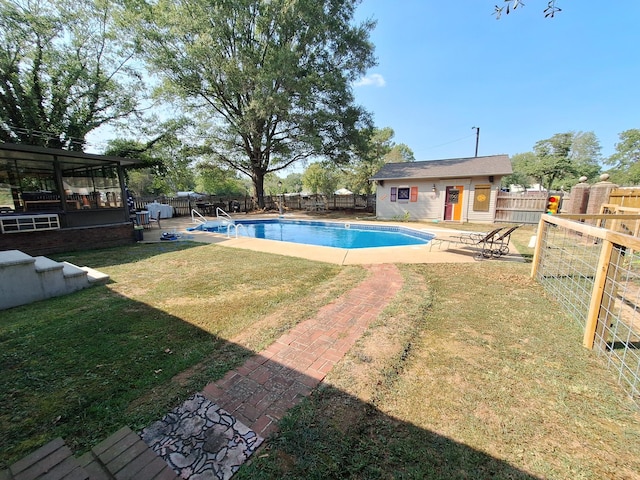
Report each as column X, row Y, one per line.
column 443, row 177
column 54, row 152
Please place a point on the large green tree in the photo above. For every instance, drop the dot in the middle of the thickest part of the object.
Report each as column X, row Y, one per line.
column 586, row 156
column 215, row 179
column 167, row 162
column 274, row 77
column 64, row 71
column 558, row 161
column 378, row 149
column 564, row 157
column 319, row 178
column 626, row 159
column 292, row 183
column 553, row 161
column 399, row 153
column 370, row 159
column 522, row 164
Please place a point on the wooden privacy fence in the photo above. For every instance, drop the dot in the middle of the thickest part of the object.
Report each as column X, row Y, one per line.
column 625, row 197
column 208, row 203
column 594, row 273
column 628, row 218
column 520, row 207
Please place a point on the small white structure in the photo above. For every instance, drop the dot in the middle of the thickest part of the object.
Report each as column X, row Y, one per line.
column 190, row 194
column 456, row 189
column 536, row 187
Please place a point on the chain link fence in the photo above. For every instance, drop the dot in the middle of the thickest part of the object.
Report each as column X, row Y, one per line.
column 592, row 267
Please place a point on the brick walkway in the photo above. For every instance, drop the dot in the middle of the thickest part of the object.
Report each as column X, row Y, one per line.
column 276, row 379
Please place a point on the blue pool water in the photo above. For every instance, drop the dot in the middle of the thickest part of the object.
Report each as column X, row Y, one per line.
column 326, row 234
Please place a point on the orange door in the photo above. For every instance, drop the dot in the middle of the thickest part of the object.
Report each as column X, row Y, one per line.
column 453, row 203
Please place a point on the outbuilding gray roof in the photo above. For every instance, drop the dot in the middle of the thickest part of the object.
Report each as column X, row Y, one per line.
column 453, row 167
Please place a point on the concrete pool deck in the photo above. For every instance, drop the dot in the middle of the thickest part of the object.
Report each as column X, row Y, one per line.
column 441, row 253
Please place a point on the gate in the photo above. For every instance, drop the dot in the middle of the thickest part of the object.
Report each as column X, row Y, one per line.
column 520, row 207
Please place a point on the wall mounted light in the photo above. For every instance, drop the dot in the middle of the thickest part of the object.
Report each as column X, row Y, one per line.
column 433, row 189
column 490, row 178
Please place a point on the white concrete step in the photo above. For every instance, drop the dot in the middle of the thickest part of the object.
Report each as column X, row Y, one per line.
column 95, row 277
column 25, row 279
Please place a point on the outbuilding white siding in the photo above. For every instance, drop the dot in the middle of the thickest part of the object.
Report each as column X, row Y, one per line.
column 454, row 189
column 429, row 204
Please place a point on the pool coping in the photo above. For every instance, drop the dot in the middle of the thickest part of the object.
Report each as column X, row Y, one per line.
column 418, row 236
column 425, row 253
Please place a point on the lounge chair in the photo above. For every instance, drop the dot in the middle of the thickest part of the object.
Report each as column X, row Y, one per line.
column 501, row 242
column 483, row 242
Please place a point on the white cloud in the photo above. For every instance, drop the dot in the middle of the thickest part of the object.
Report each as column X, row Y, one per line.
column 375, row 79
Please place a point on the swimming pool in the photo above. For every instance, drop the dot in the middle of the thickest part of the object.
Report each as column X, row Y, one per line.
column 326, row 234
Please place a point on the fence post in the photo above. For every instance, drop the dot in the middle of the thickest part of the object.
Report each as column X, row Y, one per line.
column 540, row 234
column 597, row 294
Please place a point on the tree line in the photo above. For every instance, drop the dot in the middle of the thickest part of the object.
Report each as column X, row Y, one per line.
column 248, row 87
column 558, row 162
column 210, row 94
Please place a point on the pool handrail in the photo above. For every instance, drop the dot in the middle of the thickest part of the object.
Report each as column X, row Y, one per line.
column 196, row 217
column 221, row 213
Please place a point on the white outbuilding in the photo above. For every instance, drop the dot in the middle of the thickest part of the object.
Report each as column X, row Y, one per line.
column 455, row 189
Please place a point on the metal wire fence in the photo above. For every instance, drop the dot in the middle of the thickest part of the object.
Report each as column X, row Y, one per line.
column 594, row 273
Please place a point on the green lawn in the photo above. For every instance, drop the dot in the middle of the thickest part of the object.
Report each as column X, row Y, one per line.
column 471, row 372
column 174, row 317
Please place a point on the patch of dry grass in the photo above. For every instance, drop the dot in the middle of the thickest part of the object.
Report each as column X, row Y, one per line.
column 502, row 370
column 226, row 291
column 472, row 372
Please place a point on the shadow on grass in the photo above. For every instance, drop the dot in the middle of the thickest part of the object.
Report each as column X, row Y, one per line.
column 84, row 365
column 332, row 435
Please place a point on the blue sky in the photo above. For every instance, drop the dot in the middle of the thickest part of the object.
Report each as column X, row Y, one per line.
column 447, row 66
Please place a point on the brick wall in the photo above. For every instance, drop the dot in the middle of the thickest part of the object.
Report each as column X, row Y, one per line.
column 68, row 239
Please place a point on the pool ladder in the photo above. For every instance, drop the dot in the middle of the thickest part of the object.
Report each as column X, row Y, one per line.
column 237, row 227
column 222, row 217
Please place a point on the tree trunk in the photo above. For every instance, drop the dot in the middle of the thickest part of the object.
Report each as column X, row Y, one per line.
column 258, row 188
